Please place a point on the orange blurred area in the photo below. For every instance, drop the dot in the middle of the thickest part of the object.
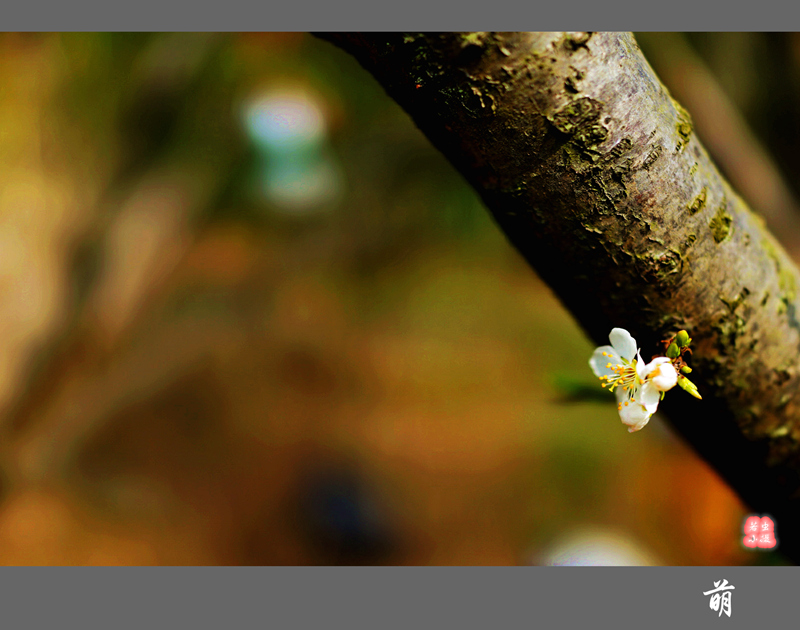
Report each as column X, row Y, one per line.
column 250, row 316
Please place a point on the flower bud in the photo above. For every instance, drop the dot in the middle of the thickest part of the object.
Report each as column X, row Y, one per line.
column 672, row 351
column 686, row 385
column 686, row 369
column 662, row 374
column 682, row 339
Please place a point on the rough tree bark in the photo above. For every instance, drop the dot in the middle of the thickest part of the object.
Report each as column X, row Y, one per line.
column 594, row 174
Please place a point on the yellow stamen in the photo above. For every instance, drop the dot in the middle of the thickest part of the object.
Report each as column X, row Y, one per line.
column 624, row 376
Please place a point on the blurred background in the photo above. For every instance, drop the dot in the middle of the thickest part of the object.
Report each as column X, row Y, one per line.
column 250, row 316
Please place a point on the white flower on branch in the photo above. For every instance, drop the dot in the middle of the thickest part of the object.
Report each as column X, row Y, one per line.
column 637, row 386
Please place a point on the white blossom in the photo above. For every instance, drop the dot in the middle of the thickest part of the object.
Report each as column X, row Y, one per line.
column 637, row 385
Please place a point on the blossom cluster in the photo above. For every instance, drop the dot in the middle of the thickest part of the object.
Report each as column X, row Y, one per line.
column 640, row 386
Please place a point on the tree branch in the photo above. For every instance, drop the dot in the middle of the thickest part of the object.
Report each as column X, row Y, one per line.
column 725, row 131
column 595, row 175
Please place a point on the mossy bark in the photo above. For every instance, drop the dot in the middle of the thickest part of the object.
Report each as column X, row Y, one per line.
column 595, row 175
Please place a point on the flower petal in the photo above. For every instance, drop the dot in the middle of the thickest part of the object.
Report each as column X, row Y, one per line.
column 649, row 396
column 641, row 367
column 640, row 426
column 599, row 361
column 634, row 415
column 623, row 343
